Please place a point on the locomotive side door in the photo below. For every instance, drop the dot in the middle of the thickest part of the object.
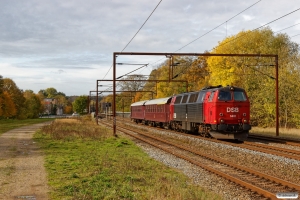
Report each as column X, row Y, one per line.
column 207, row 107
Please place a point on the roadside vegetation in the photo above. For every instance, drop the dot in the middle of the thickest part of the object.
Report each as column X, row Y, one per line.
column 286, row 133
column 85, row 161
column 9, row 124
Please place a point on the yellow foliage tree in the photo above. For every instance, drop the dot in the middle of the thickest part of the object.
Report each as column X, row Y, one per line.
column 256, row 74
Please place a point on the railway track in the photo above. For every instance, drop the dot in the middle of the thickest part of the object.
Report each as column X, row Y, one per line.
column 276, row 140
column 278, row 151
column 254, row 146
column 258, row 182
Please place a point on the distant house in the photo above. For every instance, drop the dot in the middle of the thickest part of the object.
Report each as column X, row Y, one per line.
column 48, row 104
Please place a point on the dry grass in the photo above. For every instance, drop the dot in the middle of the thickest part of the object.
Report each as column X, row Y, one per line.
column 70, row 129
column 293, row 133
column 68, row 120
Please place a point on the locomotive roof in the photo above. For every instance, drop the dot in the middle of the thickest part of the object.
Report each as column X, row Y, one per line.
column 158, row 101
column 222, row 88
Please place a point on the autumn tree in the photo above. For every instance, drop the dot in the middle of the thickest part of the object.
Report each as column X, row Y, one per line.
column 7, row 106
column 1, row 84
column 256, row 74
column 17, row 97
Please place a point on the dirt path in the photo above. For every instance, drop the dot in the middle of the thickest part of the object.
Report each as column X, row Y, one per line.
column 22, row 172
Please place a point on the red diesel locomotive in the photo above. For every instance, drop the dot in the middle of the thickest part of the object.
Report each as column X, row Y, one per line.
column 215, row 111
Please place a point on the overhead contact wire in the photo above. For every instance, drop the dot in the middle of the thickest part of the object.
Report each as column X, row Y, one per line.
column 136, row 34
column 217, row 26
column 258, row 28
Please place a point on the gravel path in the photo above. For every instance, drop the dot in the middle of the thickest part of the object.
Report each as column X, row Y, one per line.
column 22, row 172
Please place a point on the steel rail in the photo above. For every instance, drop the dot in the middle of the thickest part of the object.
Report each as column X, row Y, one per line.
column 291, row 151
column 279, row 140
column 221, row 161
column 278, row 151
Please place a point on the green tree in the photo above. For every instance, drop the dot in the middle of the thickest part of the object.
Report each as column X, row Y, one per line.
column 50, row 92
column 80, row 104
column 33, row 104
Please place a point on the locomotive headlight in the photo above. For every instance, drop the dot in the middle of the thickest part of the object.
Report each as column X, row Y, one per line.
column 245, row 121
column 222, row 121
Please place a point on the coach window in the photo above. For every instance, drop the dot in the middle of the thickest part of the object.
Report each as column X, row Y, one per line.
column 212, row 94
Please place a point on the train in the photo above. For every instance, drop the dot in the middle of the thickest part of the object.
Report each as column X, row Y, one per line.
column 221, row 112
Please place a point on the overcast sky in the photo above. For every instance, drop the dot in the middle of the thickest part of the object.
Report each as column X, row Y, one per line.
column 69, row 44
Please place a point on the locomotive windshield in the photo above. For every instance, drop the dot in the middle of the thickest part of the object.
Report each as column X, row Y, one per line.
column 239, row 96
column 224, row 95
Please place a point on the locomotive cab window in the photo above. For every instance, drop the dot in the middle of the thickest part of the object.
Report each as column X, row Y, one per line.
column 201, row 96
column 239, row 96
column 211, row 96
column 224, row 96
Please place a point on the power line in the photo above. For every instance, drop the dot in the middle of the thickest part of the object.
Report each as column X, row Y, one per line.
column 212, row 29
column 141, row 26
column 135, row 34
column 258, row 28
column 217, row 26
column 295, row 35
column 287, row 28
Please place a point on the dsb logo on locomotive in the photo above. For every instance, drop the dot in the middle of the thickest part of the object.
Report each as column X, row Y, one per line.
column 233, row 109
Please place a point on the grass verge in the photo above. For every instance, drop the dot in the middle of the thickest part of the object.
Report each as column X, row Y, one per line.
column 84, row 161
column 287, row 133
column 9, row 124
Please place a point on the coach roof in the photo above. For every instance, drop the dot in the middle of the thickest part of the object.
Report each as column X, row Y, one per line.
column 139, row 103
column 159, row 101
